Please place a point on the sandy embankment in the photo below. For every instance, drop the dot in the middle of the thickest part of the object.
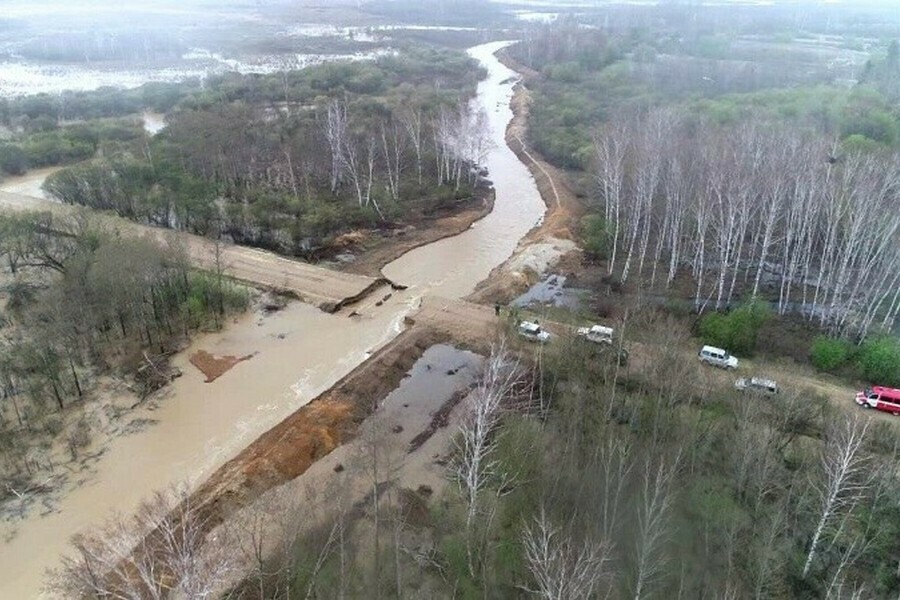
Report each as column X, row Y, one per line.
column 553, row 240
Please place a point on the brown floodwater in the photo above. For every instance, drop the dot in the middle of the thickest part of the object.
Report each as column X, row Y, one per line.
column 297, row 353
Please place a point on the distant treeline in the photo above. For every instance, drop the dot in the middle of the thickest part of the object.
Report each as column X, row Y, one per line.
column 590, row 74
column 20, row 113
column 103, row 46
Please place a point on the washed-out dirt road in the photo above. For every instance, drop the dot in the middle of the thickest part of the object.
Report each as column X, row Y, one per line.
column 325, row 288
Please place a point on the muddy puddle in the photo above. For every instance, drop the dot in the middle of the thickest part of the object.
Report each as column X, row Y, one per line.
column 409, row 432
column 297, row 352
column 551, row 290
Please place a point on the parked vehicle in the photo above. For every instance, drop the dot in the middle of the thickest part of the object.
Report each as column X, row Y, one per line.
column 880, row 398
column 531, row 331
column 758, row 385
column 717, row 357
column 597, row 334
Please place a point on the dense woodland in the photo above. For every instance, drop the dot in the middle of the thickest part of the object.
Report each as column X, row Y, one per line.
column 284, row 161
column 783, row 187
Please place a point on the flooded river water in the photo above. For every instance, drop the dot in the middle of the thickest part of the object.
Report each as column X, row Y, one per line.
column 297, row 353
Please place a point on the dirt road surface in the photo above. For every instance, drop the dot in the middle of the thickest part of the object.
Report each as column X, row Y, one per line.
column 325, row 288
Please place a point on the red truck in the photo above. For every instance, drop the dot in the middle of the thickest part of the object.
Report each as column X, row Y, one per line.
column 881, row 398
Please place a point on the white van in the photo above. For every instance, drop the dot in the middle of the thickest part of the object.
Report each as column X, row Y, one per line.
column 717, row 357
column 530, row 330
column 596, row 333
column 757, row 385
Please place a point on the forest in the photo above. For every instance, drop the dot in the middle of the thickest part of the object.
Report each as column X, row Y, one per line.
column 284, row 162
column 779, row 186
column 83, row 303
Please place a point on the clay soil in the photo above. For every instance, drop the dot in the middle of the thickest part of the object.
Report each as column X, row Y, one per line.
column 287, row 450
column 215, row 366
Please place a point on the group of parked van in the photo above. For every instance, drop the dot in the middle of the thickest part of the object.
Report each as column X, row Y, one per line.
column 877, row 397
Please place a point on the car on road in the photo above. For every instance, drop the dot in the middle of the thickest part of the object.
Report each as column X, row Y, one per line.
column 757, row 385
column 597, row 334
column 717, row 357
column 880, row 398
column 531, row 331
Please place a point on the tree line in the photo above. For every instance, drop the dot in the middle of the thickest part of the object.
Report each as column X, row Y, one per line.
column 752, row 210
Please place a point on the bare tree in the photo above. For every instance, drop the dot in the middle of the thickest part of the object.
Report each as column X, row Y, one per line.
column 562, row 568
column 160, row 551
column 412, row 121
column 653, row 527
column 475, row 466
column 335, row 128
column 392, row 148
column 611, row 148
column 845, row 478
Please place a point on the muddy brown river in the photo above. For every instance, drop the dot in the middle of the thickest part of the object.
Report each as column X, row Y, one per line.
column 297, row 353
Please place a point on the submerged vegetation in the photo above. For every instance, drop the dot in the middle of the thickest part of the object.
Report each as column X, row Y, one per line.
column 82, row 303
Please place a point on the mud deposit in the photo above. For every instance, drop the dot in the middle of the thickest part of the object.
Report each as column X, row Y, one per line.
column 331, row 420
column 215, row 366
column 422, row 387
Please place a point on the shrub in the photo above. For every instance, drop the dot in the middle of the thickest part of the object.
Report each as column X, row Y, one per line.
column 13, row 160
column 828, row 354
column 736, row 331
column 595, row 236
column 879, row 361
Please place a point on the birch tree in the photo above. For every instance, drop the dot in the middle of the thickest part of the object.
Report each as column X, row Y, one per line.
column 475, row 465
column 653, row 524
column 611, row 148
column 412, row 121
column 562, row 568
column 845, row 478
column 336, row 132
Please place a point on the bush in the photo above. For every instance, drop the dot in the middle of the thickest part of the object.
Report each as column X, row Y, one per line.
column 13, row 160
column 595, row 236
column 736, row 331
column 828, row 354
column 879, row 361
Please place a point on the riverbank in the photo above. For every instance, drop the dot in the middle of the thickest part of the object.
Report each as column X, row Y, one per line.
column 553, row 240
column 371, row 251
